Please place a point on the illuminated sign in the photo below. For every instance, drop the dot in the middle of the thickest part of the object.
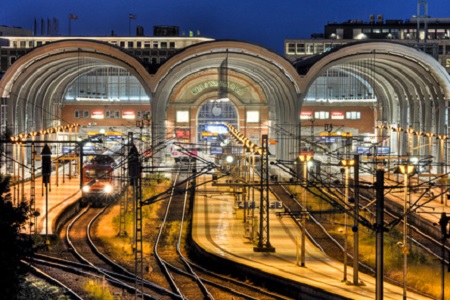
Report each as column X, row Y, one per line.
column 305, row 115
column 215, row 84
column 337, row 115
column 97, row 114
column 383, row 150
column 206, row 133
column 216, row 150
column 128, row 114
column 362, row 150
column 182, row 133
column 216, row 128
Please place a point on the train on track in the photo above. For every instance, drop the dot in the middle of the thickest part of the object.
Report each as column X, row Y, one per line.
column 100, row 181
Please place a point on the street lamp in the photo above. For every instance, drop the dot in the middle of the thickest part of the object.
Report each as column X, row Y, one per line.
column 442, row 161
column 410, row 131
column 347, row 164
column 407, row 170
column 304, row 159
column 430, row 136
column 398, row 130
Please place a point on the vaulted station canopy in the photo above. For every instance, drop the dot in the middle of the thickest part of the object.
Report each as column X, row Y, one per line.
column 37, row 82
column 263, row 79
column 411, row 88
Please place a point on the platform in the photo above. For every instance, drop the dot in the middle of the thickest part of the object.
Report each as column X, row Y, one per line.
column 62, row 193
column 218, row 228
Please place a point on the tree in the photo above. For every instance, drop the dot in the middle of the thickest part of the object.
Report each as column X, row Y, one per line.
column 14, row 246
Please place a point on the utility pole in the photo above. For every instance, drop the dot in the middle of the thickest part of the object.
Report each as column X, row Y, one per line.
column 379, row 187
column 264, row 237
column 443, row 222
column 355, row 228
column 134, row 172
column 46, row 173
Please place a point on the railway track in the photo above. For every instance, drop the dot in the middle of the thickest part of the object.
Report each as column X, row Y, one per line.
column 83, row 255
column 79, row 260
column 318, row 229
column 189, row 279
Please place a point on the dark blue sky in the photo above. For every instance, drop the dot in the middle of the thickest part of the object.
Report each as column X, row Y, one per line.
column 264, row 22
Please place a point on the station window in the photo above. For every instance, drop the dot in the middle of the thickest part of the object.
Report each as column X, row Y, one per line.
column 182, row 116
column 146, row 44
column 86, row 114
column 300, row 48
column 130, row 44
column 155, row 45
column 353, row 115
column 252, row 116
column 290, row 48
column 143, row 114
column 318, row 48
column 138, row 44
column 163, row 44
column 76, row 114
column 321, row 115
column 112, row 114
column 172, row 45
column 122, row 44
column 310, row 48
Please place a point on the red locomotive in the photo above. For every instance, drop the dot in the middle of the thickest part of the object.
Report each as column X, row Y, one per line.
column 99, row 184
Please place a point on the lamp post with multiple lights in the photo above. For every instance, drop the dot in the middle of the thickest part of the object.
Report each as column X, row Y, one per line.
column 347, row 164
column 407, row 170
column 304, row 159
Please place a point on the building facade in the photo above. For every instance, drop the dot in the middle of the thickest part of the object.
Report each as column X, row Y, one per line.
column 186, row 86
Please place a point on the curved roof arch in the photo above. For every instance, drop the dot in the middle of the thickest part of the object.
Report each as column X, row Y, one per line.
column 409, row 84
column 39, row 78
column 275, row 76
column 251, row 60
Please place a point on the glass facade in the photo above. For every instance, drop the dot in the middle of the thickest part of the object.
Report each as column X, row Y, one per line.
column 216, row 112
column 106, row 84
column 340, row 84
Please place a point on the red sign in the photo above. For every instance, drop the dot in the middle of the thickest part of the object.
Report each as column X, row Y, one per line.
column 306, row 115
column 97, row 114
column 128, row 114
column 182, row 133
column 337, row 115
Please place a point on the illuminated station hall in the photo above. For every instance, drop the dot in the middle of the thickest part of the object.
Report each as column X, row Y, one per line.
column 364, row 103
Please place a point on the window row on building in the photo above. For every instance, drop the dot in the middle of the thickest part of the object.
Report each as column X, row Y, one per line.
column 333, row 115
column 110, row 114
column 123, row 42
column 310, row 48
column 313, row 47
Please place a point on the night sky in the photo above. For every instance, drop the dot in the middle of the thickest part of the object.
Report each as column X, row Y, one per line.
column 262, row 22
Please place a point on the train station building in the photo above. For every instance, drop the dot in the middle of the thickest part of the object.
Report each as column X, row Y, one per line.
column 383, row 93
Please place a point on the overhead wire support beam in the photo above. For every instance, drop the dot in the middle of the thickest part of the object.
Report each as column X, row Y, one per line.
column 264, row 232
